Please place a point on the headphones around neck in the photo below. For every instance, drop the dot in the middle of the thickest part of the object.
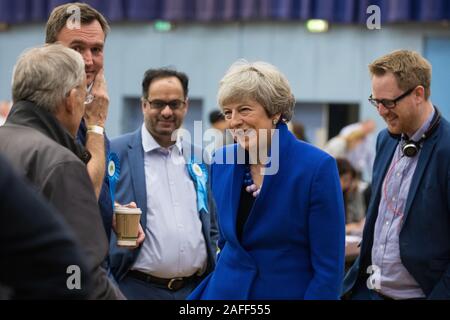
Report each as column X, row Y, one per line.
column 411, row 148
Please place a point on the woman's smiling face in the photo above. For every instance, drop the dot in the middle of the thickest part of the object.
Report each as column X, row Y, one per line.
column 248, row 122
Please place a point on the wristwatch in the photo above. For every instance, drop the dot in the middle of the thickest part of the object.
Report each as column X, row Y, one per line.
column 96, row 129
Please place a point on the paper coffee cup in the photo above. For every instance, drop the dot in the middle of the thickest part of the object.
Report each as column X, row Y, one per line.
column 127, row 225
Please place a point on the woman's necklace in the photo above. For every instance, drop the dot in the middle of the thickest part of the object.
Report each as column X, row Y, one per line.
column 250, row 186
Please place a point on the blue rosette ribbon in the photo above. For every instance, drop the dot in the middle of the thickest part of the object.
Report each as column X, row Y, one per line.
column 199, row 175
column 113, row 174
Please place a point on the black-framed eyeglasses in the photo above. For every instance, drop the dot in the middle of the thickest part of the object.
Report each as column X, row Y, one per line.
column 161, row 104
column 387, row 103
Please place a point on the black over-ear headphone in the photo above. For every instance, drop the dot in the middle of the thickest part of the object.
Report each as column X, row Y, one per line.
column 411, row 148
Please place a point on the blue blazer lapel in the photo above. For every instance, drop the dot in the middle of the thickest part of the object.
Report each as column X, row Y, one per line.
column 136, row 158
column 236, row 175
column 422, row 163
column 230, row 178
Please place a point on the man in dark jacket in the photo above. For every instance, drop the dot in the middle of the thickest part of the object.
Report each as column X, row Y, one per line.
column 49, row 90
column 405, row 250
column 88, row 38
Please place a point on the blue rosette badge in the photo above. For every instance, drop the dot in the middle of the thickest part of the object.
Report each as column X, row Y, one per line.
column 113, row 174
column 199, row 174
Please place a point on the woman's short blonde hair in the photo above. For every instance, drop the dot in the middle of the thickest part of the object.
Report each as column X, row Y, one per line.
column 258, row 81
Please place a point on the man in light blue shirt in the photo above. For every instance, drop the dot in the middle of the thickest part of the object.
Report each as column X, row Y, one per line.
column 161, row 173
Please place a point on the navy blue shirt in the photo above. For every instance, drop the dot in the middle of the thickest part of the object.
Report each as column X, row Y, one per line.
column 104, row 201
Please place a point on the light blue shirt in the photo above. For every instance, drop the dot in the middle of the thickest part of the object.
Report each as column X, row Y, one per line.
column 174, row 245
column 396, row 281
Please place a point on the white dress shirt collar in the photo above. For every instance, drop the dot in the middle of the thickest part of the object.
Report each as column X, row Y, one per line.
column 150, row 144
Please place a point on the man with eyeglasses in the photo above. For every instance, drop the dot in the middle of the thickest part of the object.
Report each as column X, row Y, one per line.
column 405, row 251
column 162, row 175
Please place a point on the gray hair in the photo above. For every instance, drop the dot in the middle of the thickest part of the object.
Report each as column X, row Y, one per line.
column 45, row 75
column 259, row 81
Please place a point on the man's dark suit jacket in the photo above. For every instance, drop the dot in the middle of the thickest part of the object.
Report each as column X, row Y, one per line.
column 425, row 235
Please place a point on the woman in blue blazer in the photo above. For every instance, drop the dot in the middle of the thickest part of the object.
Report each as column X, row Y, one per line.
column 279, row 200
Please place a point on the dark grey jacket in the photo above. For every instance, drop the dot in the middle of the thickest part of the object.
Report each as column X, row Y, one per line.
column 42, row 150
column 35, row 253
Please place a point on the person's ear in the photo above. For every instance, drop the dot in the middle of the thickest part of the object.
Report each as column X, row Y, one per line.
column 143, row 102
column 186, row 106
column 419, row 93
column 276, row 118
column 71, row 101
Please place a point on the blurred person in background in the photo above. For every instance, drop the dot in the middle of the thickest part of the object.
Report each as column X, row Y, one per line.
column 298, row 129
column 362, row 156
column 341, row 145
column 217, row 120
column 354, row 208
column 220, row 134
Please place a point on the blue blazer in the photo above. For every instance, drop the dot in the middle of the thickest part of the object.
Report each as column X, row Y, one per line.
column 132, row 187
column 425, row 235
column 293, row 241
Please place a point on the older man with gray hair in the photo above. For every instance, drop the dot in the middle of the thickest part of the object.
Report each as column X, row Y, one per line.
column 49, row 91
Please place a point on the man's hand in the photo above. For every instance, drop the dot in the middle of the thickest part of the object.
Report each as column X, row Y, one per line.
column 141, row 233
column 95, row 114
column 97, row 111
column 141, row 236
